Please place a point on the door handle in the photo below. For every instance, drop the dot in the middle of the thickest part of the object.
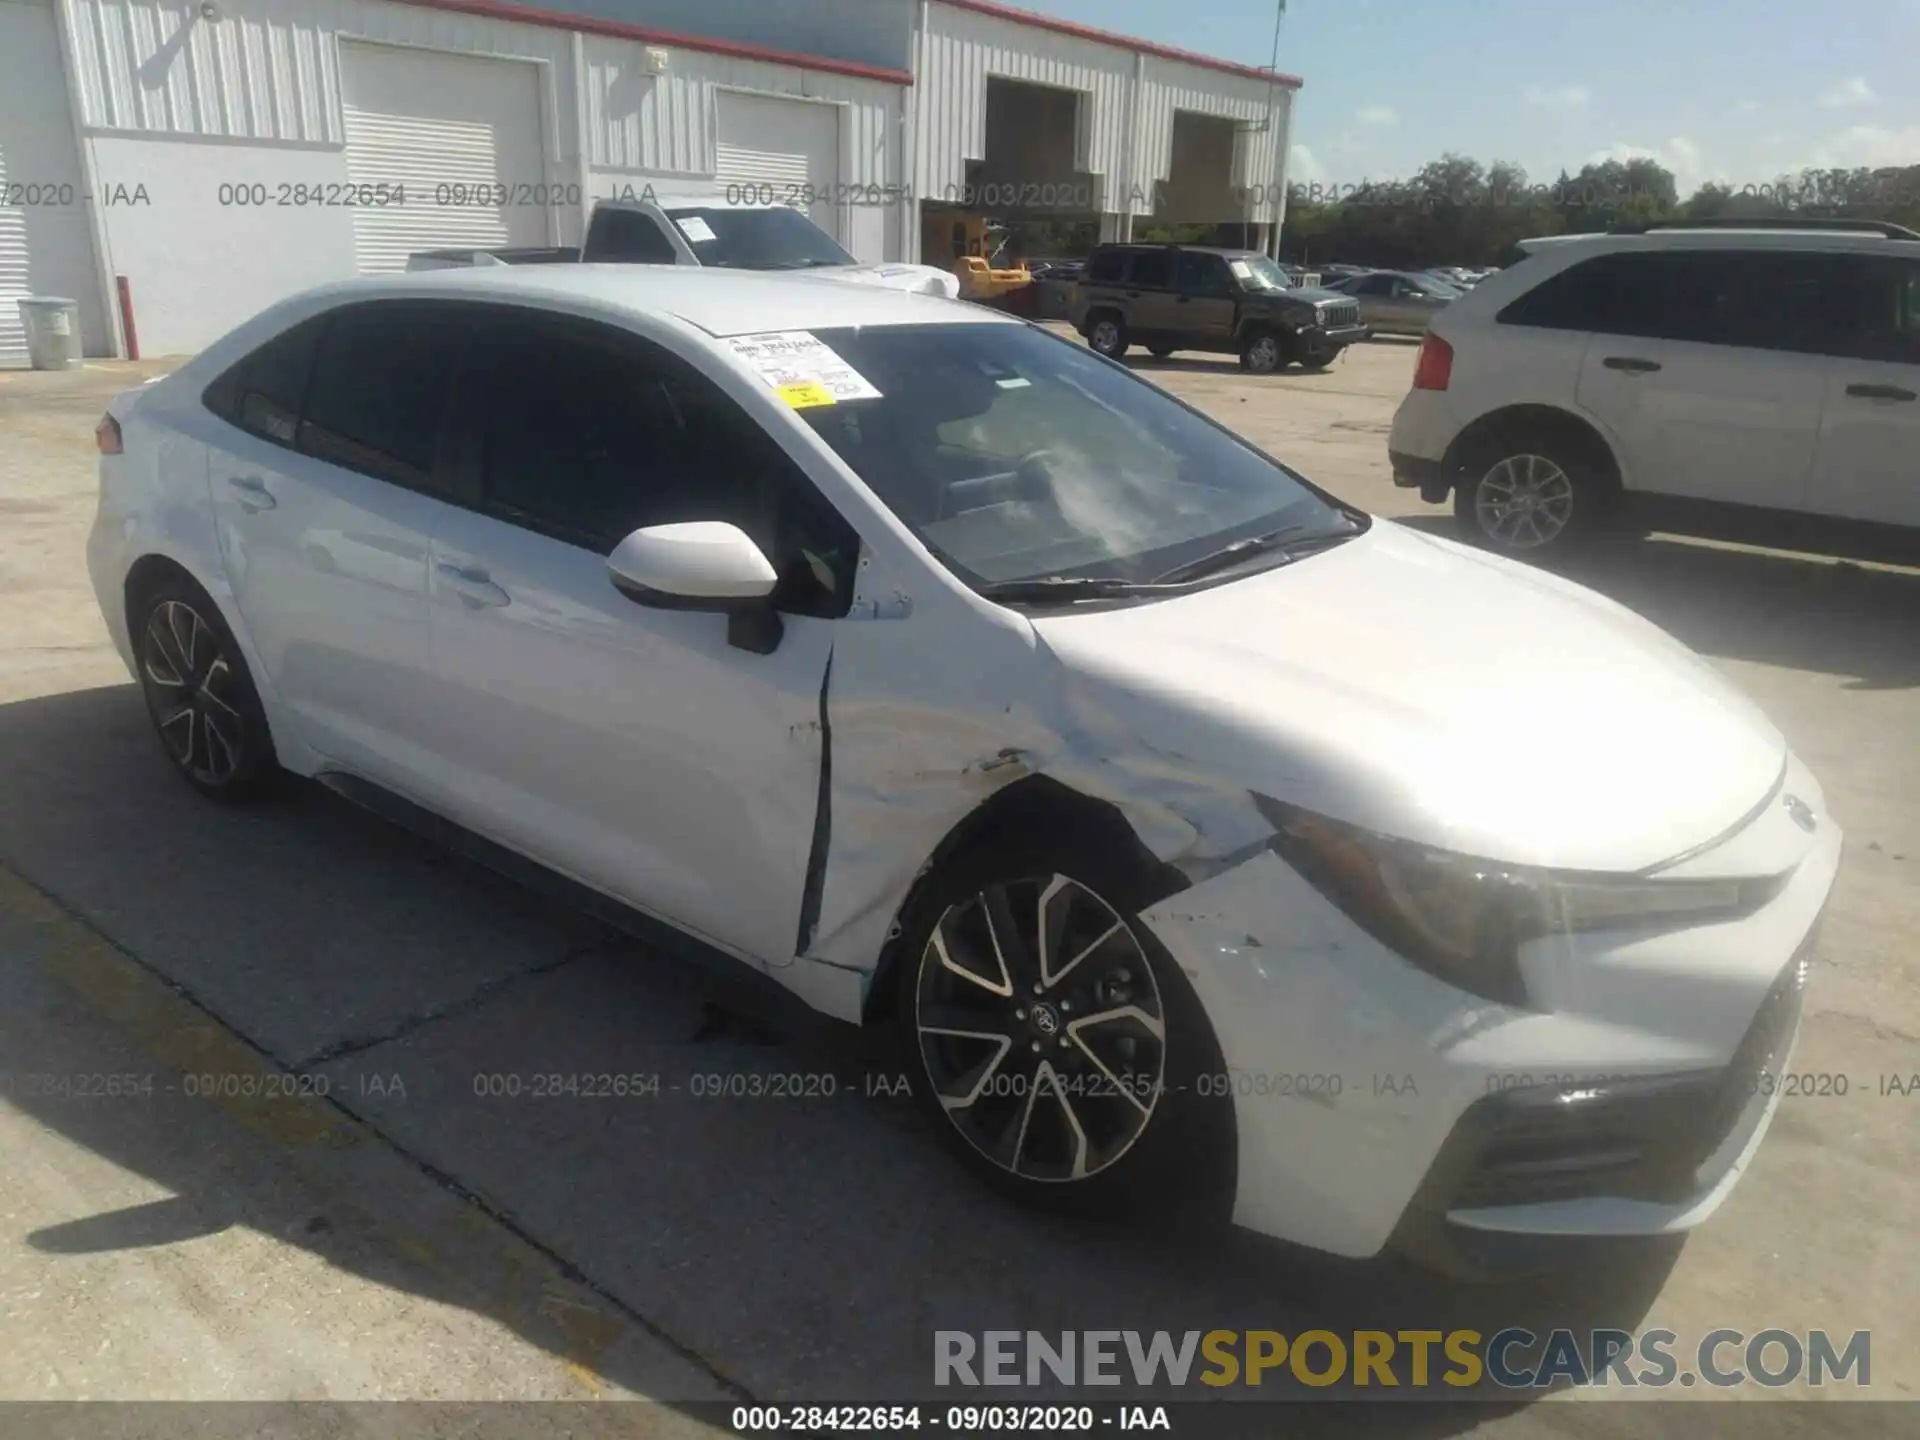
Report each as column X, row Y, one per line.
column 472, row 584
column 1881, row 392
column 251, row 492
column 1631, row 364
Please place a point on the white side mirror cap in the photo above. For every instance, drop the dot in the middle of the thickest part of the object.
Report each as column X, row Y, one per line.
column 697, row 565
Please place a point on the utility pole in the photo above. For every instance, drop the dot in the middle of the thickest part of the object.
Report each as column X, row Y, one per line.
column 1276, row 200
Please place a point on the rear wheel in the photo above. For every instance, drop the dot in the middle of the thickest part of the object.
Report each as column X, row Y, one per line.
column 1107, row 335
column 1053, row 1042
column 199, row 693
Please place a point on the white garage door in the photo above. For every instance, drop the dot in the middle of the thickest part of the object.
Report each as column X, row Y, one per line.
column 458, row 135
column 792, row 146
column 46, row 245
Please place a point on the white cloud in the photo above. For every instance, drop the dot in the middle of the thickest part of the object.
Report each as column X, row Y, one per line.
column 1379, row 116
column 1303, row 168
column 1680, row 154
column 1558, row 97
column 1852, row 91
column 1858, row 145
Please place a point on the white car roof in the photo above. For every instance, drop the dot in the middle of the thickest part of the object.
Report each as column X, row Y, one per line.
column 719, row 301
column 1757, row 237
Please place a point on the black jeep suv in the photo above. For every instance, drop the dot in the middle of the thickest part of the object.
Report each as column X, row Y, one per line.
column 1189, row 297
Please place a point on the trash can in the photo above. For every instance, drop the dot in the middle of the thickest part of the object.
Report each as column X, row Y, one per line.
column 53, row 332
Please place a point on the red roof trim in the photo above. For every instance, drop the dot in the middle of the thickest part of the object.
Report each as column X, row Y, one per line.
column 620, row 30
column 1125, row 42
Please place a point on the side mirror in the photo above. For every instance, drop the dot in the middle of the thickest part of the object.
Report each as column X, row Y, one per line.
column 706, row 565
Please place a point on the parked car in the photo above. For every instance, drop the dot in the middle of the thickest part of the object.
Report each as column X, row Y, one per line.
column 1191, row 297
column 955, row 678
column 1699, row 377
column 706, row 230
column 1399, row 302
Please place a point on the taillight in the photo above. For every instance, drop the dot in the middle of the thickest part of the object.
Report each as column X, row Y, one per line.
column 106, row 435
column 1434, row 368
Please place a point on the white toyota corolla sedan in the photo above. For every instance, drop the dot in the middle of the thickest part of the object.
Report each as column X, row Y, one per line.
column 1202, row 835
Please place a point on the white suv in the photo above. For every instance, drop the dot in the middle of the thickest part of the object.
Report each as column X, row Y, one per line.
column 1699, row 373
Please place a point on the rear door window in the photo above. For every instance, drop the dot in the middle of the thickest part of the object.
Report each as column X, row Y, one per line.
column 381, row 383
column 263, row 394
column 628, row 236
column 1151, row 269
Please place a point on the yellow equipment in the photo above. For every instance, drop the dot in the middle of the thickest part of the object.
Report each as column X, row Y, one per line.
column 959, row 239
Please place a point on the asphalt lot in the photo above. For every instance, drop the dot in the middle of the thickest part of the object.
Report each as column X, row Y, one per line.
column 408, row 1236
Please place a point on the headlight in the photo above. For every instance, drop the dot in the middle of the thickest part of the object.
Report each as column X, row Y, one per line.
column 1464, row 919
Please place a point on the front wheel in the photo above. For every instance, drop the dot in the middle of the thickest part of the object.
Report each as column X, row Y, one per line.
column 1262, row 353
column 1054, row 1044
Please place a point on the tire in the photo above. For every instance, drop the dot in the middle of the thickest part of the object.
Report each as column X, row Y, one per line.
column 1170, row 1158
column 1262, row 353
column 1531, row 494
column 1107, row 335
column 200, row 695
column 1160, row 352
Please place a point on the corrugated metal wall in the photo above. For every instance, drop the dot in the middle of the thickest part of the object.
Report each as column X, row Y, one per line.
column 1167, row 86
column 868, row 32
column 266, row 71
column 961, row 48
column 663, row 124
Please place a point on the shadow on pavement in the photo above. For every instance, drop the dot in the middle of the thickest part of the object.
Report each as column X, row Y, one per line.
column 804, row 1247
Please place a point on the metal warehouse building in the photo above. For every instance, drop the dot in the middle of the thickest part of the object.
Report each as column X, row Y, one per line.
column 186, row 162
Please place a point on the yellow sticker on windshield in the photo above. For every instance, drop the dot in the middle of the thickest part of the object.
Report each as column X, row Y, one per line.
column 804, row 394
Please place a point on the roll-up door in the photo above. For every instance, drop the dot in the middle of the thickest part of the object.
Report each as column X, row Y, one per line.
column 783, row 148
column 459, row 135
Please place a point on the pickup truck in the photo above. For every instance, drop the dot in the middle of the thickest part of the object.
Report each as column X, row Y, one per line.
column 693, row 229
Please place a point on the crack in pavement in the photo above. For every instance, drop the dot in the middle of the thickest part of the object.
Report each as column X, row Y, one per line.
column 419, row 1020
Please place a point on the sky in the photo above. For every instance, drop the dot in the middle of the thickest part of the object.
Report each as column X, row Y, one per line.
column 1734, row 91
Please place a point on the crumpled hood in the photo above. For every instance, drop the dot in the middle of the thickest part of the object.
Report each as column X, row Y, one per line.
column 915, row 279
column 1422, row 689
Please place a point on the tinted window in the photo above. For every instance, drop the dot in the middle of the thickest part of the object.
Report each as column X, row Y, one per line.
column 629, row 236
column 1107, row 267
column 1374, row 285
column 380, row 387
column 1151, row 267
column 262, row 394
column 1203, row 274
column 1612, row 294
column 588, row 435
column 1883, row 311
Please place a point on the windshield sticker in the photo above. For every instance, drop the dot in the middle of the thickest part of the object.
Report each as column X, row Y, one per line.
column 794, row 359
column 1018, row 382
column 696, row 229
column 1241, row 270
column 804, row 394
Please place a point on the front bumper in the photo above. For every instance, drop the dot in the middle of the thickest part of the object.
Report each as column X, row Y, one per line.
column 1376, row 1106
column 1316, row 340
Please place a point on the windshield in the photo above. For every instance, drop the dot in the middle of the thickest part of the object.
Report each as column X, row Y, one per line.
column 777, row 238
column 1257, row 272
column 1016, row 455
